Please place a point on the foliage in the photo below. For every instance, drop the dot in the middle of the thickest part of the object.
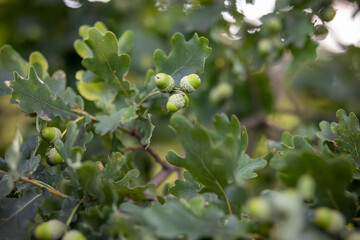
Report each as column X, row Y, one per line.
column 112, row 180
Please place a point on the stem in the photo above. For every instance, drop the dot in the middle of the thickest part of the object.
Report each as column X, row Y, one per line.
column 152, row 93
column 85, row 113
column 226, row 197
column 38, row 184
column 68, row 222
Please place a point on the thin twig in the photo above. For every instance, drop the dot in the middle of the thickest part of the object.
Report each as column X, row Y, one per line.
column 68, row 222
column 39, row 184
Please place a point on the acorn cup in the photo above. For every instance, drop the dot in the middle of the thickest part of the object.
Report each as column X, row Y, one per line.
column 51, row 134
column 165, row 83
column 190, row 83
column 330, row 220
column 49, row 230
column 53, row 157
column 177, row 101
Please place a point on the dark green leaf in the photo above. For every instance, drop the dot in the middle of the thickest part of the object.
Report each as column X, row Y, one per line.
column 189, row 188
column 332, row 176
column 26, row 93
column 16, row 214
column 213, row 157
column 117, row 118
column 193, row 220
column 185, row 57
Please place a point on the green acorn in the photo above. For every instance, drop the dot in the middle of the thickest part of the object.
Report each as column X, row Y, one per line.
column 329, row 220
column 190, row 83
column 165, row 83
column 49, row 230
column 51, row 134
column 73, row 235
column 321, row 32
column 273, row 24
column 259, row 208
column 176, row 102
column 220, row 93
column 306, row 187
column 53, row 157
column 327, row 14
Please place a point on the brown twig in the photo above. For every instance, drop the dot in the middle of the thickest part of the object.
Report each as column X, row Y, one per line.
column 39, row 184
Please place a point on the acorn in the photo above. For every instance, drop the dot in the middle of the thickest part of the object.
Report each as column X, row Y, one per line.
column 190, row 83
column 330, row 220
column 327, row 14
column 49, row 230
column 306, row 187
column 73, row 235
column 165, row 83
column 176, row 102
column 259, row 208
column 51, row 134
column 220, row 93
column 53, row 157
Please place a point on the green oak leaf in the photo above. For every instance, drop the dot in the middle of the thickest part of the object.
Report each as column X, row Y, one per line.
column 13, row 158
column 146, row 128
column 331, row 174
column 213, row 157
column 16, row 214
column 325, row 132
column 185, row 57
column 298, row 28
column 100, row 52
column 26, row 93
column 113, row 166
column 124, row 189
column 189, row 189
column 10, row 62
column 88, row 175
column 115, row 119
column 76, row 139
column 126, row 41
column 192, row 219
column 349, row 134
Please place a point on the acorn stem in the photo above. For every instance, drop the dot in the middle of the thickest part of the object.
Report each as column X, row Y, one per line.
column 38, row 184
column 68, row 222
column 152, row 93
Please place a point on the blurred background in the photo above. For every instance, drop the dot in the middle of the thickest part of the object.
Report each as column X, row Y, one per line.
column 277, row 65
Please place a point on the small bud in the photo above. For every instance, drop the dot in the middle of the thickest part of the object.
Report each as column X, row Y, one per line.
column 51, row 134
column 165, row 83
column 176, row 102
column 259, row 208
column 73, row 235
column 329, row 220
column 52, row 229
column 190, row 83
column 53, row 157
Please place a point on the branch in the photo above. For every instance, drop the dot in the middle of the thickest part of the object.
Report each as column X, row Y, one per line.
column 38, row 184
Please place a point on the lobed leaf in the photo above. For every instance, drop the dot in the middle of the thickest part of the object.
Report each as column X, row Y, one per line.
column 214, row 158
column 185, row 57
column 115, row 119
column 26, row 93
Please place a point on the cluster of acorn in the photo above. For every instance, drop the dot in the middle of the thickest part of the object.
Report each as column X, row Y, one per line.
column 54, row 229
column 51, row 134
column 178, row 98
